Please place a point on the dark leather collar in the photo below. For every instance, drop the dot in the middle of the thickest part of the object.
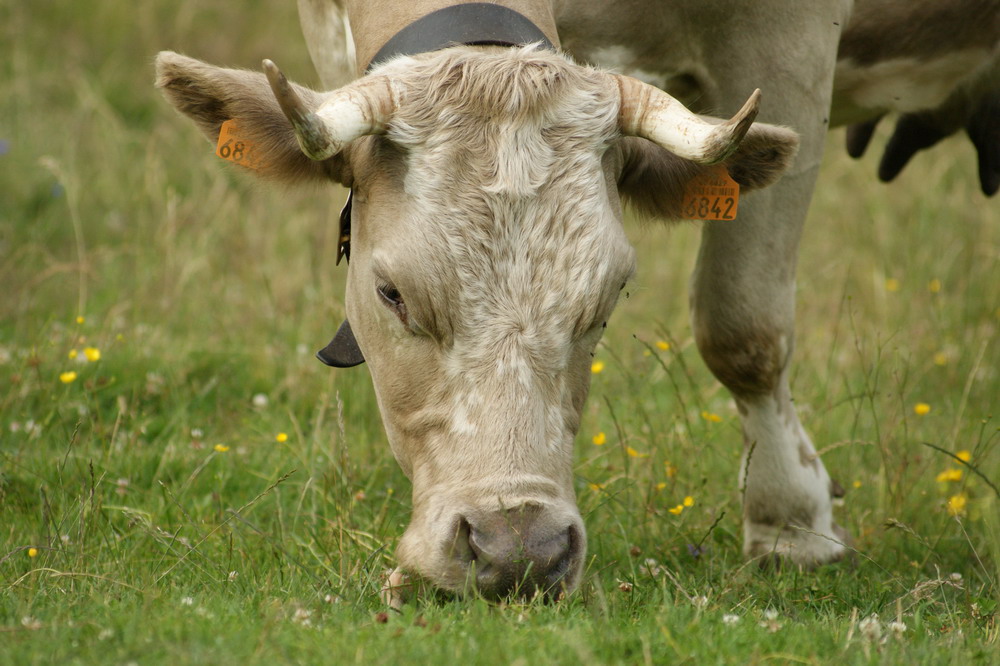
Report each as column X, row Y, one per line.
column 471, row 24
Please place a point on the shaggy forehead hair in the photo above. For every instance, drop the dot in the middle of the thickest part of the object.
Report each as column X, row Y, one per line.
column 504, row 179
column 507, row 112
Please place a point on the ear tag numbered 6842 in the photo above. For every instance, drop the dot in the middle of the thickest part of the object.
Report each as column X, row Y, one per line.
column 712, row 195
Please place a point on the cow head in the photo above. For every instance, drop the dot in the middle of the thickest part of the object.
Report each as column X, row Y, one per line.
column 487, row 253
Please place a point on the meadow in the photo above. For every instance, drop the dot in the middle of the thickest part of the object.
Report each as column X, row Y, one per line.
column 182, row 482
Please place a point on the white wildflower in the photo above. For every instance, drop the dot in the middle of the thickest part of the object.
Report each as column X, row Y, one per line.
column 771, row 621
column 871, row 628
column 303, row 617
column 897, row 629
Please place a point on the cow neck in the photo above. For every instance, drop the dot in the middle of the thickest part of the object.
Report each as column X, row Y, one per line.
column 472, row 24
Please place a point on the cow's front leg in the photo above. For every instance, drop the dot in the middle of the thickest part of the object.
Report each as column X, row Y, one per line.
column 743, row 308
column 743, row 303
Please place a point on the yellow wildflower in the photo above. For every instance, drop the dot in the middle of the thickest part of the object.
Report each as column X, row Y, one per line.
column 92, row 353
column 934, row 286
column 73, row 354
column 635, row 454
column 922, row 408
column 599, row 439
column 221, row 448
column 67, row 377
column 79, row 319
column 940, row 358
column 662, row 345
column 711, row 416
column 950, row 475
column 892, row 284
column 32, row 552
column 688, row 501
column 661, row 485
column 676, row 510
column 964, row 455
column 596, row 367
column 956, row 504
column 857, row 484
column 670, row 469
column 281, row 437
column 596, row 486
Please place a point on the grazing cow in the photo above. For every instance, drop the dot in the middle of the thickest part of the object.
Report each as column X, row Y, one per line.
column 486, row 247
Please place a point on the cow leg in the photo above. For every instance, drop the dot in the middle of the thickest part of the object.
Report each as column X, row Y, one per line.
column 743, row 293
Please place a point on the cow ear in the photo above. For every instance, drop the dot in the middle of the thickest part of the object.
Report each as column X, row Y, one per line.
column 653, row 179
column 211, row 95
column 343, row 350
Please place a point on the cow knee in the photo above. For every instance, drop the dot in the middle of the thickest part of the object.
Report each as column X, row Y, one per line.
column 748, row 360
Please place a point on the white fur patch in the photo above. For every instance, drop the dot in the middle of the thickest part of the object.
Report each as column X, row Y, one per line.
column 905, row 84
column 621, row 60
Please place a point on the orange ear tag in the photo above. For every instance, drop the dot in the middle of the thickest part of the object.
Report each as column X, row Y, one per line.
column 236, row 148
column 712, row 195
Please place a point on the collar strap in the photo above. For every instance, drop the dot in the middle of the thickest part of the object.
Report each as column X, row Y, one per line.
column 471, row 24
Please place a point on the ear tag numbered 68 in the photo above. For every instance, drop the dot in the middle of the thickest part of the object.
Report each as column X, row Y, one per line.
column 234, row 146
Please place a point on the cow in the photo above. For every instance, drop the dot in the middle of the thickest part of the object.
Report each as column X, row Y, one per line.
column 489, row 162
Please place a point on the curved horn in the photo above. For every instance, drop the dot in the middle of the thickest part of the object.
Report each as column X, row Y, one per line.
column 361, row 108
column 653, row 114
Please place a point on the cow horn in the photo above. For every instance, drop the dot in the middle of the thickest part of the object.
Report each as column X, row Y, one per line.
column 361, row 108
column 653, row 114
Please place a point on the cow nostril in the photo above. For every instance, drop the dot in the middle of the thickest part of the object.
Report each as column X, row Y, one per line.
column 461, row 543
column 561, row 566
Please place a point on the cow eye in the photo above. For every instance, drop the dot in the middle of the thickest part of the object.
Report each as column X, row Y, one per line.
column 394, row 301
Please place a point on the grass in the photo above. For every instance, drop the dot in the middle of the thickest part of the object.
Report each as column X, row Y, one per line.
column 128, row 535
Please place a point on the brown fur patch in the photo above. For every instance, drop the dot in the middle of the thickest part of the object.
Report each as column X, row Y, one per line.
column 921, row 29
column 748, row 363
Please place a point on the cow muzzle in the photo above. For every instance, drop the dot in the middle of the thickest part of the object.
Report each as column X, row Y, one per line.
column 533, row 548
column 522, row 552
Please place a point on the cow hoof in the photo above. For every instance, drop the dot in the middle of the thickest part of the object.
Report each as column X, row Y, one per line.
column 397, row 590
column 798, row 547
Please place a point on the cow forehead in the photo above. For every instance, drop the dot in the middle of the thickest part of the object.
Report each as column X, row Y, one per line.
column 503, row 189
column 506, row 122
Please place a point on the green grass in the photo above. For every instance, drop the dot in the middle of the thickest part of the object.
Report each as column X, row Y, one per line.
column 203, row 289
